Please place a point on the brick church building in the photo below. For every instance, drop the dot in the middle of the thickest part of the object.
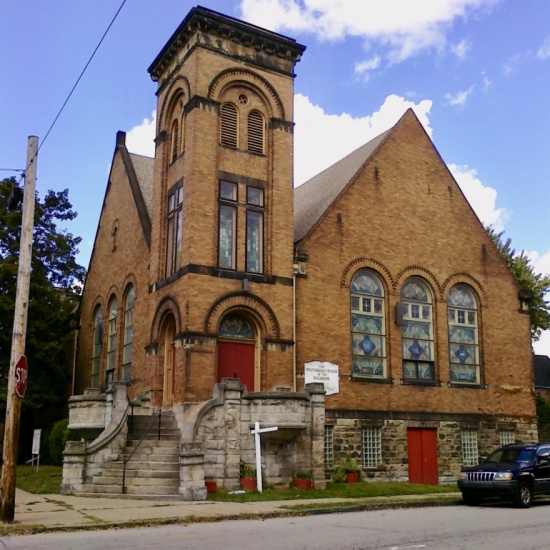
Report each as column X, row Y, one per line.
column 214, row 284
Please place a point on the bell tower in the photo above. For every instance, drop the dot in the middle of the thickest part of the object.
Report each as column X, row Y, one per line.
column 223, row 185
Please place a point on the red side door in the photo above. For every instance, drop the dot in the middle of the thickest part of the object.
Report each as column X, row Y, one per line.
column 236, row 360
column 422, row 444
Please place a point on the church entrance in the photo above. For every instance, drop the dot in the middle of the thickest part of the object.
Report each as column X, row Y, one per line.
column 237, row 350
column 169, row 331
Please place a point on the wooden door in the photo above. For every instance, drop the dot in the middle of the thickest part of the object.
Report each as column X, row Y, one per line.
column 169, row 365
column 422, row 452
column 236, row 360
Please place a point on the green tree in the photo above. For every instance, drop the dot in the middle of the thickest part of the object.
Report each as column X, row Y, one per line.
column 53, row 295
column 537, row 283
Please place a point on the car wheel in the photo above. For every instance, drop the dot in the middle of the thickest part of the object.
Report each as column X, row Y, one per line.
column 523, row 498
column 471, row 500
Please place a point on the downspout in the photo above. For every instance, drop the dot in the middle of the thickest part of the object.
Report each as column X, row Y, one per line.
column 294, row 353
column 75, row 350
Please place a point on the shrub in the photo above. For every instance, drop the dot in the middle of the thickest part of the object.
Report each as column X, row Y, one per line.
column 58, row 437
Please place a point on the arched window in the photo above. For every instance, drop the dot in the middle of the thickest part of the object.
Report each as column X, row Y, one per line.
column 96, row 346
column 417, row 336
column 128, row 335
column 463, row 336
column 256, row 132
column 229, row 126
column 236, row 326
column 175, row 143
column 111, row 341
column 368, row 326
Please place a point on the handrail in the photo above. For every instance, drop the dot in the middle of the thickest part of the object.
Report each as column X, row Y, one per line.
column 131, row 423
column 145, row 434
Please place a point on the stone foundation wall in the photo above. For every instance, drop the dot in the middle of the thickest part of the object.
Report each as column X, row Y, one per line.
column 347, row 442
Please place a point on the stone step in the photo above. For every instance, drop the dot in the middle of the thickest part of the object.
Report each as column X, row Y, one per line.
column 118, row 495
column 148, row 465
column 153, row 443
column 145, row 458
column 159, row 448
column 172, row 436
column 136, row 481
column 116, row 491
column 142, row 473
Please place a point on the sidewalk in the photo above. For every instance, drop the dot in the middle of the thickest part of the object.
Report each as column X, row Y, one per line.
column 57, row 512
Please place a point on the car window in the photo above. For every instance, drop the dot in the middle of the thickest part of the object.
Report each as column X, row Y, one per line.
column 511, row 455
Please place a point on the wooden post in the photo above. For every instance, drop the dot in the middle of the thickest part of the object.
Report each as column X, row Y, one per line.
column 13, row 401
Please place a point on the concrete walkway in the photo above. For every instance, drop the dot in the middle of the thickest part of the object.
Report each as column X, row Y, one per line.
column 56, row 512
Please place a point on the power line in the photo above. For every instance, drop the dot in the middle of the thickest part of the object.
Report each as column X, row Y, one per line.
column 79, row 78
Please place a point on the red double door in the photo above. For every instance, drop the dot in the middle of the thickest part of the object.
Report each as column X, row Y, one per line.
column 236, row 360
column 422, row 444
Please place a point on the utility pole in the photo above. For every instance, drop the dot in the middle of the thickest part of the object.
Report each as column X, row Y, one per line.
column 13, row 401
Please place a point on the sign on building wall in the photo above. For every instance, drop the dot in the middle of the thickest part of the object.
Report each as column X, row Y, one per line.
column 324, row 372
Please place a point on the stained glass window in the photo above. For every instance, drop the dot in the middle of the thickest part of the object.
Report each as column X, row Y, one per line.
column 111, row 341
column 463, row 336
column 96, row 346
column 417, row 337
column 236, row 326
column 128, row 335
column 254, row 241
column 368, row 327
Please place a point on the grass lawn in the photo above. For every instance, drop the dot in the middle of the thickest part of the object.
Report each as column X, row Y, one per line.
column 46, row 481
column 338, row 490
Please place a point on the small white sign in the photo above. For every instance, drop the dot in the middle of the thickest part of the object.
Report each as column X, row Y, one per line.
column 36, row 442
column 323, row 372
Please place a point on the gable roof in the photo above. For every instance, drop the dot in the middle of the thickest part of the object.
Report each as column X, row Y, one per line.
column 312, row 198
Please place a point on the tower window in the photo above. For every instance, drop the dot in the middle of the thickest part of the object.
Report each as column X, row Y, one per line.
column 227, row 225
column 174, row 229
column 229, row 125
column 175, row 141
column 256, row 134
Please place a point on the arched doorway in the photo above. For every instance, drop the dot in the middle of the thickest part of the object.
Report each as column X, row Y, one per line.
column 237, row 350
column 168, row 356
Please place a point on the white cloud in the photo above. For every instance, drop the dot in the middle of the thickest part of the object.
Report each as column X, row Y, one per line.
column 321, row 139
column 544, row 50
column 481, row 198
column 509, row 67
column 486, row 84
column 542, row 346
column 462, row 49
column 368, row 65
column 540, row 263
column 460, row 98
column 140, row 139
column 402, row 27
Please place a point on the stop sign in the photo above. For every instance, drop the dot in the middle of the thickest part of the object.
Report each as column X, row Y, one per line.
column 21, row 372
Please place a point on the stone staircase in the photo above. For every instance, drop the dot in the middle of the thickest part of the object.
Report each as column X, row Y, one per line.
column 153, row 469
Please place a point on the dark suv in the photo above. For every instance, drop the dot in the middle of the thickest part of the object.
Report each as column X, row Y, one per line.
column 514, row 472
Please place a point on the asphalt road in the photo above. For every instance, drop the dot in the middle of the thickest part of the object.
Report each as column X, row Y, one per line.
column 442, row 528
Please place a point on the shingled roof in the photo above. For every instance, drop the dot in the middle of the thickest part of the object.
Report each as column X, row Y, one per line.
column 144, row 168
column 312, row 199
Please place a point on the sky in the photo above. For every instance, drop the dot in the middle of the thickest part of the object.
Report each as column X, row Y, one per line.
column 476, row 72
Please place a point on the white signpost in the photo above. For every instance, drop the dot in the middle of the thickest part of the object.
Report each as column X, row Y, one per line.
column 256, row 432
column 323, row 372
column 36, row 447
